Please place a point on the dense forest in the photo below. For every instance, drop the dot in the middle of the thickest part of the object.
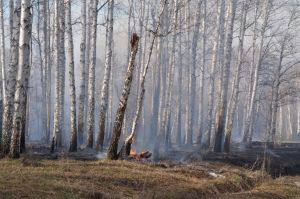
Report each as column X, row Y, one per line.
column 204, row 73
column 162, row 77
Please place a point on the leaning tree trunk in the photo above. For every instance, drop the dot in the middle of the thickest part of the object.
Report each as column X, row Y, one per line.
column 222, row 107
column 236, row 83
column 91, row 79
column 83, row 65
column 105, row 85
column 22, row 78
column 73, row 126
column 128, row 141
column 11, row 81
column 112, row 152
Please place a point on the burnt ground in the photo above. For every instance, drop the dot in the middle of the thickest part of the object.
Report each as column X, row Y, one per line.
column 86, row 174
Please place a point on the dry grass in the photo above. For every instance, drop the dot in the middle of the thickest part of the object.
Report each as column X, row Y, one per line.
column 125, row 179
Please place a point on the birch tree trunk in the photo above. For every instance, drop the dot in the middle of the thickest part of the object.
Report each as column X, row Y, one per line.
column 179, row 99
column 11, row 81
column 91, row 79
column 42, row 58
column 105, row 85
column 155, row 82
column 128, row 141
column 222, row 107
column 11, row 18
column 211, row 99
column 83, row 65
column 47, row 67
column 298, row 118
column 167, row 110
column 57, row 126
column 2, row 55
column 252, row 69
column 247, row 136
column 188, row 130
column 275, row 94
column 113, row 145
column 202, row 71
column 62, row 57
column 192, row 78
column 236, row 83
column 73, row 124
column 22, row 78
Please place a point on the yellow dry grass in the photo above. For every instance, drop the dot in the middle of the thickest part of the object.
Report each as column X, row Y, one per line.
column 129, row 179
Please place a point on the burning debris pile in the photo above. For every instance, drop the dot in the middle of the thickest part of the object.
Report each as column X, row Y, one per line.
column 139, row 156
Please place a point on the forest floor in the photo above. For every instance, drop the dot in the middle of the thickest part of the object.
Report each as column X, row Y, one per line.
column 31, row 177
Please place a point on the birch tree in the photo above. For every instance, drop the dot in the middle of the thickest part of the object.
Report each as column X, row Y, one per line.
column 202, row 69
column 105, row 84
column 113, row 145
column 284, row 41
column 141, row 94
column 192, row 78
column 73, row 124
column 215, row 51
column 11, row 80
column 83, row 70
column 167, row 110
column 91, row 79
column 179, row 97
column 57, row 126
column 236, row 83
column 247, row 136
column 22, row 77
column 222, row 107
column 2, row 55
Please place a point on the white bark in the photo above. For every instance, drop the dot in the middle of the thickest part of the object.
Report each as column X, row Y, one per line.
column 252, row 70
column 211, row 99
column 22, row 78
column 247, row 136
column 73, row 124
column 11, row 81
column 59, row 62
column 113, row 145
column 91, row 79
column 298, row 118
column 236, row 83
column 141, row 94
column 2, row 54
column 83, row 70
column 179, row 97
column 202, row 72
column 167, row 109
column 105, row 84
column 222, row 106
column 188, row 124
